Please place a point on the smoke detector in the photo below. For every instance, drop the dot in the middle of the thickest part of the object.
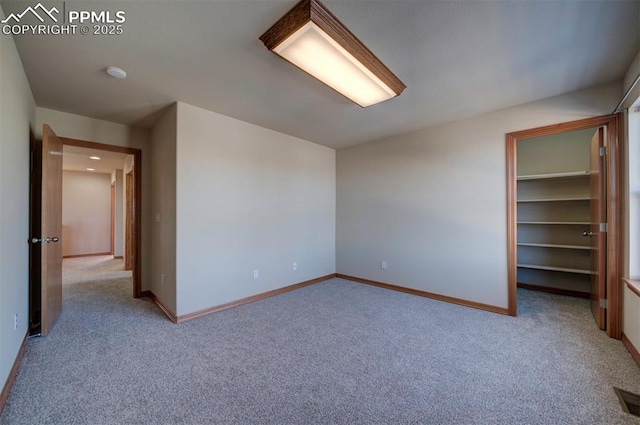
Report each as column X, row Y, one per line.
column 116, row 73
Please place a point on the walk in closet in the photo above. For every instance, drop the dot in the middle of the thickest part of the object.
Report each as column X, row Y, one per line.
column 553, row 213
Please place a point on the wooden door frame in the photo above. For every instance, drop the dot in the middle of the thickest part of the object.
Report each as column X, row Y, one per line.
column 614, row 210
column 113, row 217
column 597, row 208
column 35, row 229
column 129, row 219
column 137, row 177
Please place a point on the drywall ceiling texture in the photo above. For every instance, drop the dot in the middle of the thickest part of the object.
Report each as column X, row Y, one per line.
column 457, row 58
column 79, row 159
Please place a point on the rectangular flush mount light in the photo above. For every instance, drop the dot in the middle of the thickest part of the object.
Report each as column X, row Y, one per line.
column 314, row 40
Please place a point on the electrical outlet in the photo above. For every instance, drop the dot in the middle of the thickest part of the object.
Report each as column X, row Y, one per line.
column 15, row 322
column 255, row 274
column 157, row 217
column 295, row 266
column 162, row 279
column 383, row 265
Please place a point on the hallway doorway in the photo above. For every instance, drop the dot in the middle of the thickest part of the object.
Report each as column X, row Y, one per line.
column 80, row 237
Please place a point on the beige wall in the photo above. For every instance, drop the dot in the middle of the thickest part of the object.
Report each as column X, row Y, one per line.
column 432, row 203
column 119, row 211
column 93, row 130
column 163, row 208
column 632, row 200
column 86, row 213
column 631, row 316
column 17, row 115
column 631, row 301
column 146, row 201
column 248, row 199
column 629, row 78
column 558, row 153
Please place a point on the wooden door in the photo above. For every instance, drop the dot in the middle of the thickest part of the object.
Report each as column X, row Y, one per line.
column 113, row 217
column 51, row 230
column 596, row 233
column 129, row 222
column 35, row 231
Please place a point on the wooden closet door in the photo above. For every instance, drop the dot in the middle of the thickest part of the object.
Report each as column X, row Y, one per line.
column 598, row 237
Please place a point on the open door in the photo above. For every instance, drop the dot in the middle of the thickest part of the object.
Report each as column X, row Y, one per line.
column 596, row 232
column 113, row 218
column 51, row 229
column 129, row 222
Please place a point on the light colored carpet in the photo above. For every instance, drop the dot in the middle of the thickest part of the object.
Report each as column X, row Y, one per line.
column 336, row 352
column 91, row 269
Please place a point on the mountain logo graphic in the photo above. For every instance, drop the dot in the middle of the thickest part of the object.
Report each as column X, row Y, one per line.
column 34, row 11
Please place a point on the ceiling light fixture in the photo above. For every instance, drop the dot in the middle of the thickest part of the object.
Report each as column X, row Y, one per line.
column 95, row 158
column 91, row 169
column 311, row 38
column 116, row 72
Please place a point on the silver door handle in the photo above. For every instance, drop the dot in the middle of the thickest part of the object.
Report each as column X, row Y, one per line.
column 588, row 234
column 46, row 239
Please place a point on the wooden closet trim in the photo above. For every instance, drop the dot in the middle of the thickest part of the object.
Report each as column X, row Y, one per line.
column 614, row 218
column 558, row 291
column 632, row 350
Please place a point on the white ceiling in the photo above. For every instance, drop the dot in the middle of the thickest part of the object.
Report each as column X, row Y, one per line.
column 77, row 159
column 457, row 58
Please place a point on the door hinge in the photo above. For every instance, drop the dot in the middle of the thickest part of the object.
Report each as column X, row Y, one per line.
column 603, row 303
column 603, row 227
column 603, row 150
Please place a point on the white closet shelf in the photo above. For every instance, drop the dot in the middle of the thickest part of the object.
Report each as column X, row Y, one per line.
column 568, row 175
column 555, row 199
column 548, row 245
column 555, row 269
column 579, row 223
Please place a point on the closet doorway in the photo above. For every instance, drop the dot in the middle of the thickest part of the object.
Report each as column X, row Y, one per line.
column 563, row 214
